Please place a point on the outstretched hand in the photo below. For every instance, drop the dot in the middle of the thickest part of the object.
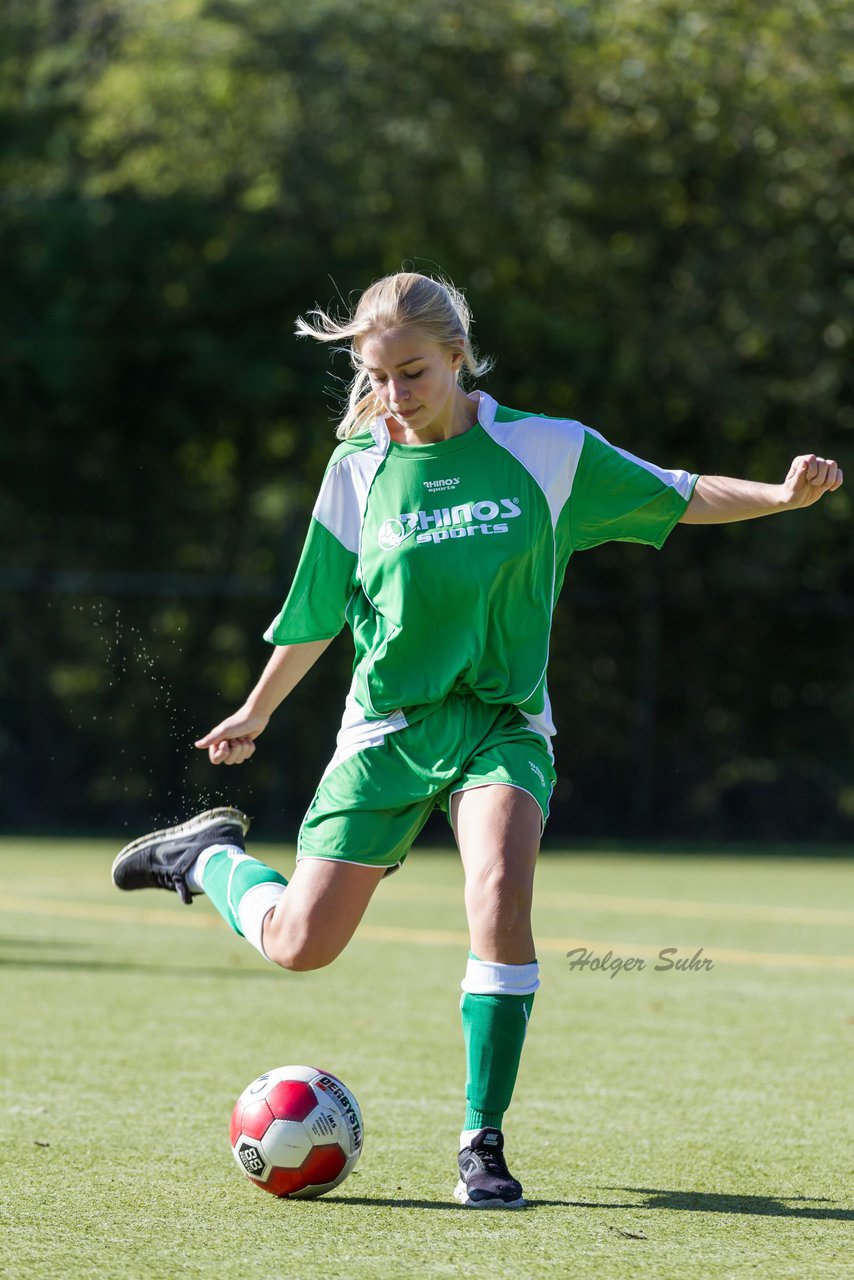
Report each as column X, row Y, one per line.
column 809, row 479
column 233, row 741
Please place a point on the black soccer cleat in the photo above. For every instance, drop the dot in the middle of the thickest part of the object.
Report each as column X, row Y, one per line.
column 485, row 1181
column 162, row 859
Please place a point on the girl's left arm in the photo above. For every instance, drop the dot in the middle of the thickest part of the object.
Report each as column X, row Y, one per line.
column 723, row 499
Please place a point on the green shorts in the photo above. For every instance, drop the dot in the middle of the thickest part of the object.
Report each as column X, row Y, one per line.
column 372, row 803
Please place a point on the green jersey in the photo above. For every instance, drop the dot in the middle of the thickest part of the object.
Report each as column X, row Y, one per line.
column 446, row 559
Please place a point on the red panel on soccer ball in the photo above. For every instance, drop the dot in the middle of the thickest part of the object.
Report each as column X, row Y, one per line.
column 323, row 1164
column 236, row 1117
column 283, row 1182
column 256, row 1120
column 291, row 1100
column 281, row 1120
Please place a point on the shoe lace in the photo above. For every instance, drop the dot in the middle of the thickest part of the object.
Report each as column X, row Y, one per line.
column 493, row 1161
column 167, row 878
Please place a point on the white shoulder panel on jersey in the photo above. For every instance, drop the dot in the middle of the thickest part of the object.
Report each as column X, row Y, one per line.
column 343, row 497
column 548, row 449
column 681, row 481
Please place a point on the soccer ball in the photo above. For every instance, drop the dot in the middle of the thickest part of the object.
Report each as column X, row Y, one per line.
column 296, row 1131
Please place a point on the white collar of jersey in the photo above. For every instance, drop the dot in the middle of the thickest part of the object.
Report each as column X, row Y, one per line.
column 486, row 411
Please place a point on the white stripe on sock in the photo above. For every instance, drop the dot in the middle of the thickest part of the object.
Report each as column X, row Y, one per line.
column 487, row 978
column 195, row 876
column 255, row 905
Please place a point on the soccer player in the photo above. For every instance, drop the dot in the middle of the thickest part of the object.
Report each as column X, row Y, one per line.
column 441, row 536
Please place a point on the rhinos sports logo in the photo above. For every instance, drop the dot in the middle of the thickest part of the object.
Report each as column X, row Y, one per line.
column 464, row 521
column 391, row 534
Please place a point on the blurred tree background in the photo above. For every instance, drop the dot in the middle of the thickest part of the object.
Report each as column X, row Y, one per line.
column 649, row 206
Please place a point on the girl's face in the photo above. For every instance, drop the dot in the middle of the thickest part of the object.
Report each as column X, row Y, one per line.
column 416, row 381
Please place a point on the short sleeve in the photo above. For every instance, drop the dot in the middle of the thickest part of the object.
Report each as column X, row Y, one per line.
column 617, row 497
column 326, row 575
column 322, row 586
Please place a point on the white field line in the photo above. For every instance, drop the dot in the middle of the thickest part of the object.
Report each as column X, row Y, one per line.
column 677, row 908
column 100, row 911
column 726, row 955
column 417, row 937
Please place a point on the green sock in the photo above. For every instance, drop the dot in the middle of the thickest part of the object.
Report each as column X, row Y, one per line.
column 227, row 876
column 494, row 1031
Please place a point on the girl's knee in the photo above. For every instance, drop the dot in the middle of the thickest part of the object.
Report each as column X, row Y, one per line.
column 297, row 959
column 501, row 890
column 298, row 954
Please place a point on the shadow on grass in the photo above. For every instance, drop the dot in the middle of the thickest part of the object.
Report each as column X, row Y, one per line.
column 44, row 943
column 764, row 1206
column 65, row 965
column 390, row 1202
column 387, row 1202
column 767, row 1206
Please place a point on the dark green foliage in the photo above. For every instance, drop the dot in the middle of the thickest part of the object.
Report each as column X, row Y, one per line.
column 650, row 209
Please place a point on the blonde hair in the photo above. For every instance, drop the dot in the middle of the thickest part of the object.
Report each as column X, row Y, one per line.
column 405, row 298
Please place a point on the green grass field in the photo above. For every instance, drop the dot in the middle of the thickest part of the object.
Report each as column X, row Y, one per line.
column 666, row 1124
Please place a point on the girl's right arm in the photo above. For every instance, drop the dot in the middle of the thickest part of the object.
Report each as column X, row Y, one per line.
column 233, row 740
